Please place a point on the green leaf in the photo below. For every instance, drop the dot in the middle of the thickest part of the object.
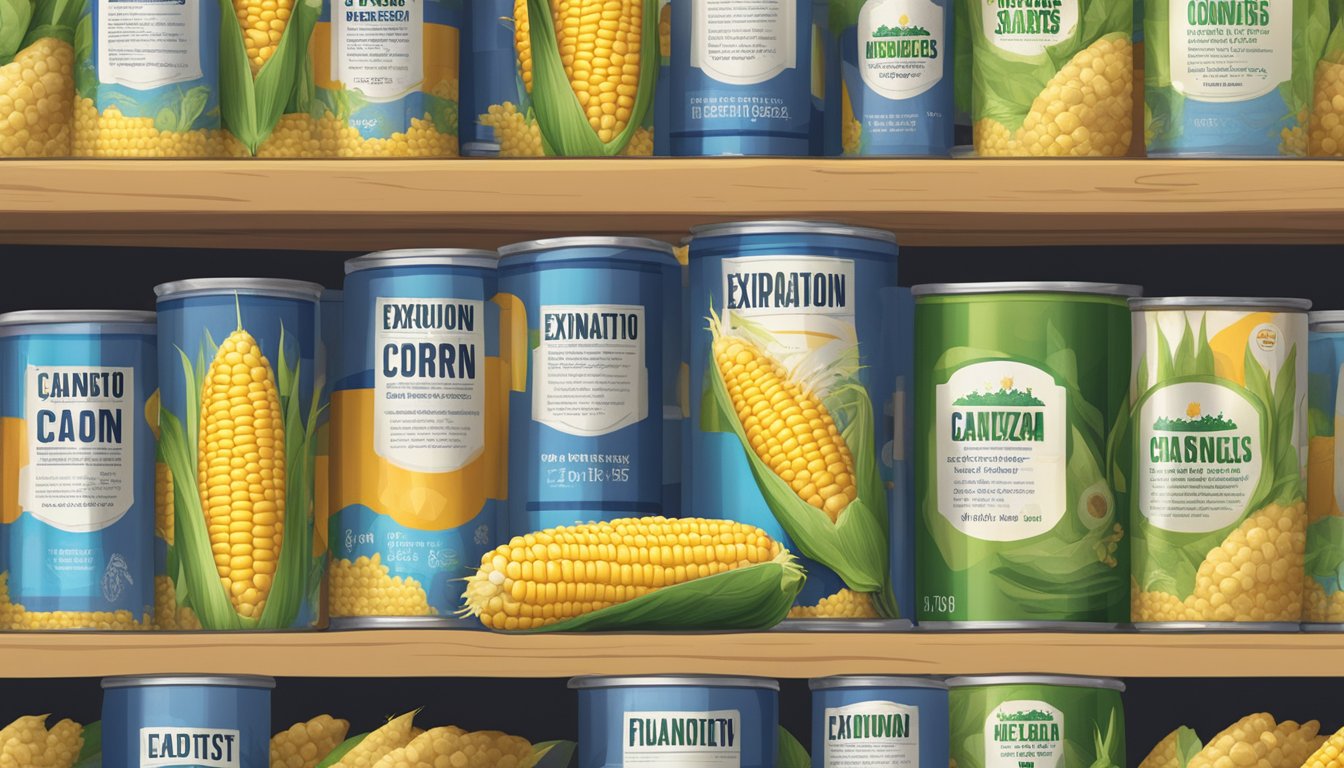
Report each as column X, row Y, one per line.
column 192, row 104
column 790, row 753
column 15, row 16
column 342, row 750
column 1325, row 549
column 1204, row 365
column 552, row 754
column 86, row 82
column 237, row 94
column 93, row 744
column 1187, row 746
column 1311, row 33
column 1166, row 366
column 165, row 120
column 1185, row 362
column 745, row 599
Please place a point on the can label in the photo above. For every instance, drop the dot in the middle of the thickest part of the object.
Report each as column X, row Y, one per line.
column 797, row 298
column 189, row 747
column 430, row 394
column 872, row 733
column 1323, row 600
column 1036, row 725
column 590, row 377
column 378, row 49
column 1029, row 27
column 744, row 43
column 901, row 42
column 149, row 44
column 683, row 739
column 1019, row 733
column 1001, row 437
column 1230, row 51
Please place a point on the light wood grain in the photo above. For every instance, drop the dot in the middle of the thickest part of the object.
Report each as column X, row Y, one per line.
column 357, row 205
column 429, row 653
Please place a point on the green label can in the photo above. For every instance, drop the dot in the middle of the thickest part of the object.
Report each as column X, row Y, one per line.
column 1018, row 468
column 1219, row 505
column 1036, row 721
column 1323, row 599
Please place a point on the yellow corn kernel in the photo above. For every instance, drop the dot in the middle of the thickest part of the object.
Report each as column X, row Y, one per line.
column 1257, row 572
column 163, row 502
column 1164, row 754
column 788, row 427
column 452, row 746
column 1247, row 743
column 295, row 135
column 1086, row 109
column 421, row 139
column 851, row 130
column 241, row 471
column 524, row 584
column 394, row 735
column 262, row 23
column 516, row 135
column 1326, row 132
column 168, row 615
column 1320, row 607
column 599, row 44
column 845, row 604
column 363, row 588
column 112, row 134
column 1296, row 743
column 16, row 617
column 1294, row 139
column 37, row 97
column 1330, row 754
column 640, row 144
column 1154, row 606
column 993, row 139
column 304, row 745
column 26, row 743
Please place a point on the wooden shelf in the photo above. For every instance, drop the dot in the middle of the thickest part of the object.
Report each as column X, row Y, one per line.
column 365, row 204
column 400, row 653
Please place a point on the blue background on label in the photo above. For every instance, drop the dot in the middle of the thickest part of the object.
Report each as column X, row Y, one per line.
column 127, row 710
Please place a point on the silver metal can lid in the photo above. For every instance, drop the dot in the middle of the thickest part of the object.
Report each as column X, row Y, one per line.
column 876, row 681
column 703, row 681
column 1028, row 286
column 585, row 241
column 15, row 320
column 1074, row 681
column 232, row 681
column 1272, row 304
column 792, row 227
column 424, row 257
column 1320, row 317
column 247, row 286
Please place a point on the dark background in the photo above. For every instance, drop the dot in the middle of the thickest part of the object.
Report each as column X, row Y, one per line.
column 56, row 277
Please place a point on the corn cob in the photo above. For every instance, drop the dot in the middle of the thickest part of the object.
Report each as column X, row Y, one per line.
column 37, row 95
column 1330, row 754
column 1085, row 110
column 163, row 502
column 363, row 588
column 26, row 743
column 1247, row 743
column 560, row 573
column 241, row 472
column 640, row 144
column 1326, row 133
column 1164, row 754
column 393, row 735
column 1256, row 574
column 168, row 615
column 600, row 46
column 1297, row 742
column 262, row 23
column 304, row 745
column 788, row 427
column 516, row 135
column 845, row 604
column 452, row 746
column 1320, row 607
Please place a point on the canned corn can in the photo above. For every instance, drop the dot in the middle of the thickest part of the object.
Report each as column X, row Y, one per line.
column 676, row 377
column 418, row 435
column 387, row 78
column 799, row 313
column 1323, row 601
column 1036, row 720
column 741, row 83
column 494, row 121
column 240, row 394
column 1219, row 511
column 869, row 720
column 187, row 720
column 677, row 721
column 78, row 455
column 331, row 311
column 586, row 406
column 1019, row 474
column 147, row 79
column 895, row 99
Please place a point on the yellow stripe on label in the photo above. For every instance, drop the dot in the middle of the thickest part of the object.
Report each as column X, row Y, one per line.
column 1229, row 346
column 13, row 456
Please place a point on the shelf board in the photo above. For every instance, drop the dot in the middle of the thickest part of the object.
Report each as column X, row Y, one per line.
column 353, row 205
column 429, row 653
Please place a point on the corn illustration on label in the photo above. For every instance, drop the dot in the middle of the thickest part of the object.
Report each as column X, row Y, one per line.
column 871, row 732
column 1040, row 725
column 683, row 739
column 219, row 722
column 1019, row 474
column 1220, row 513
column 1323, row 600
column 37, row 56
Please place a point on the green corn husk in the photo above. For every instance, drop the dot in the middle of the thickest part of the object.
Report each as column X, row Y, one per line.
column 565, row 131
column 552, row 754
column 342, row 750
column 790, row 752
column 91, row 754
column 250, row 107
column 15, row 16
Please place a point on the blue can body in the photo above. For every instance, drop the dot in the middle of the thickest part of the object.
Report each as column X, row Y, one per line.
column 78, row 505
column 871, row 720
column 586, row 419
column 733, row 98
column 490, row 73
column 674, row 363
column 417, row 416
column 901, row 454
column 812, row 336
column 187, row 721
column 897, row 78
column 677, row 721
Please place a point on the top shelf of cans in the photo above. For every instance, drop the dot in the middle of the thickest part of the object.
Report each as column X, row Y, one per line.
column 439, row 78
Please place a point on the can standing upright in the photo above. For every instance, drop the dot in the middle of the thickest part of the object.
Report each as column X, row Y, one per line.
column 1323, row 600
column 222, row 721
column 418, row 427
column 240, row 394
column 792, row 372
column 1219, row 510
column 741, row 83
column 871, row 720
column 78, row 457
column 1043, row 720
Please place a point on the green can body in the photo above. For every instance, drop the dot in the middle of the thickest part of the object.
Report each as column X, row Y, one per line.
column 1019, row 475
column 1036, row 721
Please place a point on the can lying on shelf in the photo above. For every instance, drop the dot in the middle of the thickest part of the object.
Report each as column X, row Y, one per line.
column 1019, row 474
column 586, row 410
column 1042, row 720
column 1219, row 510
column 862, row 720
column 793, row 374
column 418, row 436
column 1323, row 600
column 677, row 720
column 240, row 397
column 78, row 455
column 222, row 721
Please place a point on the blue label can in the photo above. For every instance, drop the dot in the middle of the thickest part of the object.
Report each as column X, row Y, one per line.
column 1323, row 599
column 793, row 377
column 741, row 83
column 187, row 721
column 586, row 408
column 494, row 101
column 418, row 428
column 240, row 398
column 864, row 720
column 677, row 721
column 78, row 456
column 896, row 77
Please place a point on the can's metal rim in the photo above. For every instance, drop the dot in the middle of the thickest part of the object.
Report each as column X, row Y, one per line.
column 333, row 294
column 514, row 250
column 1220, row 302
column 1073, row 681
column 1319, row 317
column 876, row 681
column 1123, row 290
column 342, row 623
column 791, row 227
column 251, row 286
column 585, row 682
column 424, row 257
column 231, row 681
column 10, row 320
